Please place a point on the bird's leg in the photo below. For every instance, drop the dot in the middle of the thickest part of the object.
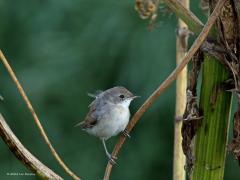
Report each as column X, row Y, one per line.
column 125, row 133
column 109, row 156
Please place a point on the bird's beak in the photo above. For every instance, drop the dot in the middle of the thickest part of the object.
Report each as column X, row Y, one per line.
column 133, row 97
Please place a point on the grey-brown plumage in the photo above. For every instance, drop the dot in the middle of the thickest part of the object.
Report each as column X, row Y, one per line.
column 103, row 101
column 108, row 114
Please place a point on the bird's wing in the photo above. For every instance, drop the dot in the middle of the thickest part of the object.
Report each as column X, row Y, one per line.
column 93, row 115
column 89, row 122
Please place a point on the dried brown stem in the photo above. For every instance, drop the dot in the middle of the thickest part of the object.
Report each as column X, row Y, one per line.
column 35, row 117
column 194, row 24
column 168, row 81
column 181, row 86
column 30, row 161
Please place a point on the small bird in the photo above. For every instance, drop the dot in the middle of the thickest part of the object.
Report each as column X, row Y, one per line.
column 108, row 115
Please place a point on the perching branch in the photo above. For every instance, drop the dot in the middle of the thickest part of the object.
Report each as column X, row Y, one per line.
column 168, row 81
column 35, row 117
column 30, row 161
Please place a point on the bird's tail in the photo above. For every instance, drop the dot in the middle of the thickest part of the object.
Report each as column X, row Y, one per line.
column 80, row 124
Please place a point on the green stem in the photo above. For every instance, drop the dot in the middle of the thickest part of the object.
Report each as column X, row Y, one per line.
column 211, row 138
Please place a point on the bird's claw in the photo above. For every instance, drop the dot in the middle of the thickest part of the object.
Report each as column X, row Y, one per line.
column 112, row 159
column 125, row 133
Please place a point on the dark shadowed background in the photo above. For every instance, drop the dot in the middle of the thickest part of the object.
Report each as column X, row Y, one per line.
column 60, row 50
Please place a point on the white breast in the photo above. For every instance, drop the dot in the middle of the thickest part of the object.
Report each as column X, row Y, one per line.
column 120, row 123
column 113, row 123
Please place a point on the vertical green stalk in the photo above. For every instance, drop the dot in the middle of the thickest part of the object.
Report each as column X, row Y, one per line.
column 211, row 138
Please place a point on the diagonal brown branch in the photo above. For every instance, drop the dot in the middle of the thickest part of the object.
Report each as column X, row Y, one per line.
column 31, row 162
column 168, row 81
column 35, row 117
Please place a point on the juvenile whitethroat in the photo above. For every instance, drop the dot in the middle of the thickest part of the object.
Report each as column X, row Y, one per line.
column 108, row 115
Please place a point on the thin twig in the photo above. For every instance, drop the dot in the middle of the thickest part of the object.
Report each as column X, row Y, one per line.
column 30, row 161
column 185, row 14
column 168, row 81
column 181, row 86
column 35, row 117
column 148, row 9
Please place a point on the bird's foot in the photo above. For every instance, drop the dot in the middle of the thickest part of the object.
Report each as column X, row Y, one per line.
column 125, row 133
column 111, row 159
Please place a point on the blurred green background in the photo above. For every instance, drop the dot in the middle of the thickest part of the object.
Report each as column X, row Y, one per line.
column 60, row 50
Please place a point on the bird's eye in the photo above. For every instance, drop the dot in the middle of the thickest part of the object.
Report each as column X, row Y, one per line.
column 121, row 96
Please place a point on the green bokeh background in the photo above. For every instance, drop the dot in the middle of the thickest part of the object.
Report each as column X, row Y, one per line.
column 60, row 50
